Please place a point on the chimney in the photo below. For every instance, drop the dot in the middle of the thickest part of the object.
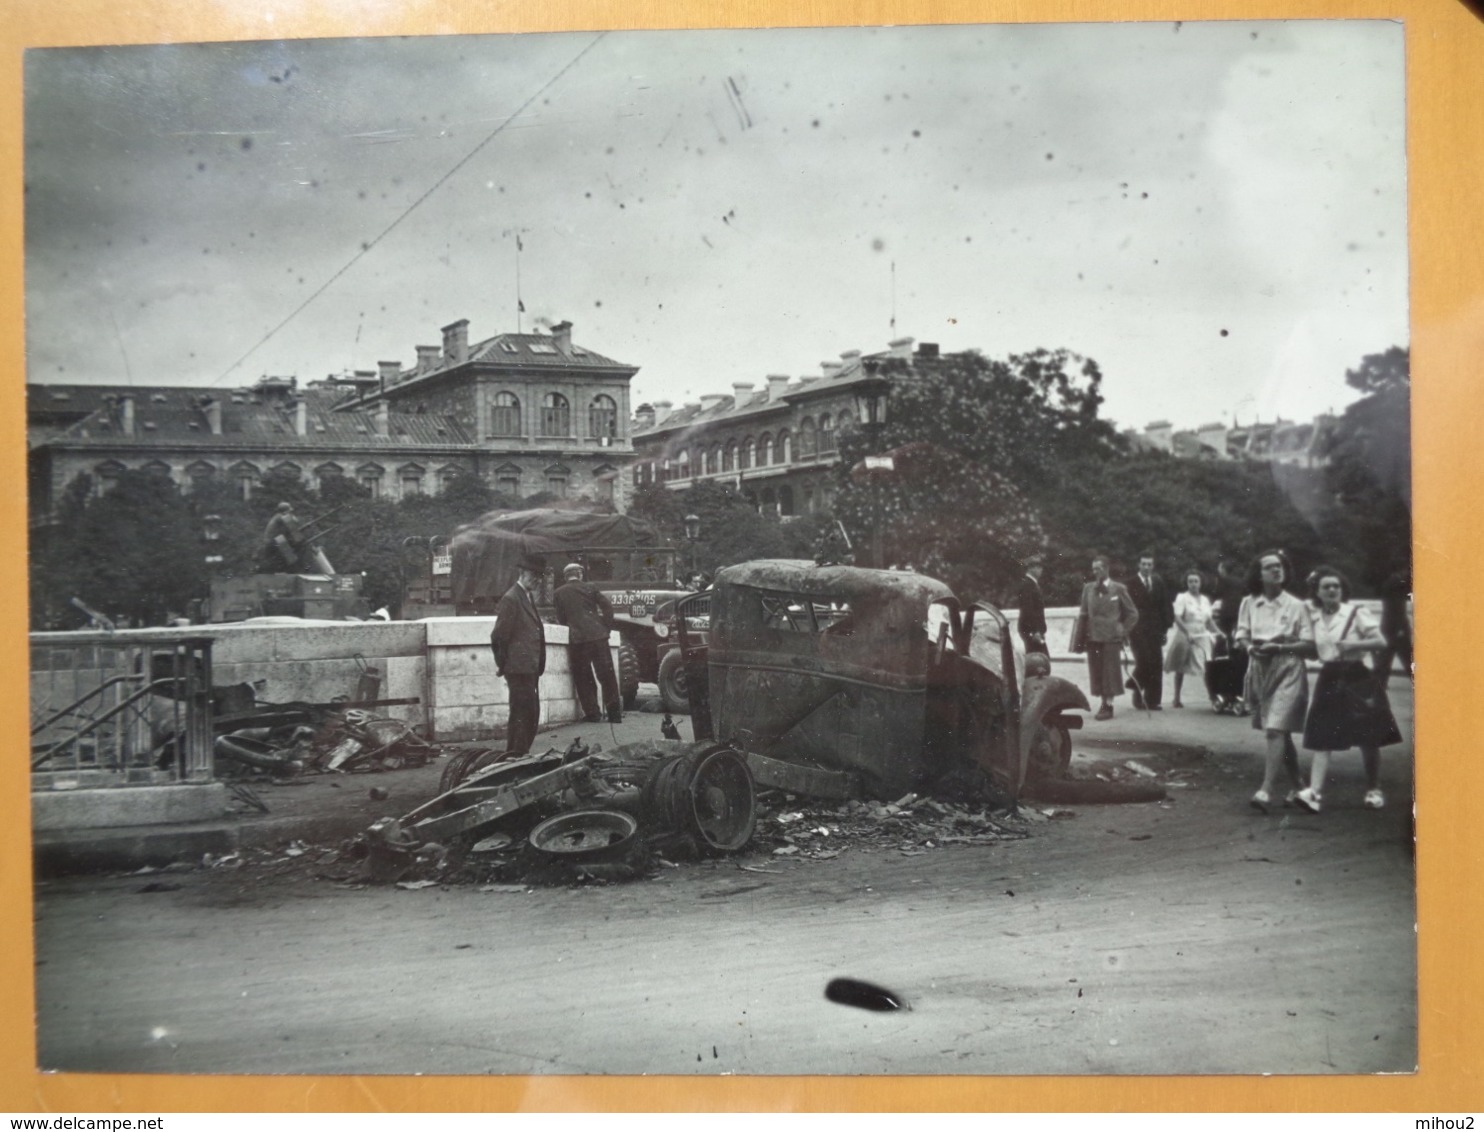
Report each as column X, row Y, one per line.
column 710, row 401
column 383, row 414
column 661, row 411
column 213, row 410
column 1161, row 434
column 742, row 392
column 456, row 343
column 644, row 416
column 777, row 383
column 427, row 359
column 301, row 417
column 390, row 371
column 1213, row 436
column 927, row 349
column 831, row 369
column 562, row 334
column 900, row 347
column 126, row 414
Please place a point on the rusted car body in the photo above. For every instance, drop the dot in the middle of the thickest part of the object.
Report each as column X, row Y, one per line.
column 877, row 683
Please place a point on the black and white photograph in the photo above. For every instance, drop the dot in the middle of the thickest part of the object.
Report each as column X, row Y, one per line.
column 839, row 551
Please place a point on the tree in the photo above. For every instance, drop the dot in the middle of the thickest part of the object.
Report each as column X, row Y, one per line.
column 991, row 438
column 731, row 527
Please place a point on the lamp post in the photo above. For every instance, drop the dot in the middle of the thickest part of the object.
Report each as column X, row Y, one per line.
column 871, row 395
column 692, row 533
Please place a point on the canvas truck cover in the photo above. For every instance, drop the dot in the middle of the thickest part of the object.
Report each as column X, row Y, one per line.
column 487, row 552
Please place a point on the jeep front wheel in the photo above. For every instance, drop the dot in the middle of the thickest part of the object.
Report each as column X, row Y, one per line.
column 672, row 683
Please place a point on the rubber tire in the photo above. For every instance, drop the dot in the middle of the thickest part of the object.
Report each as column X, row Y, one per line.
column 672, row 683
column 628, row 675
column 1050, row 754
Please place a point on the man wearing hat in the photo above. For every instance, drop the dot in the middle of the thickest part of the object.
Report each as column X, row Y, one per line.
column 1030, row 622
column 588, row 615
column 519, row 643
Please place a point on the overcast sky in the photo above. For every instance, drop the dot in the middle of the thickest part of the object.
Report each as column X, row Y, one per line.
column 1215, row 212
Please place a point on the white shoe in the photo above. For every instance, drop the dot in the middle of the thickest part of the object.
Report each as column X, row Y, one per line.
column 1308, row 799
column 1374, row 799
column 1261, row 801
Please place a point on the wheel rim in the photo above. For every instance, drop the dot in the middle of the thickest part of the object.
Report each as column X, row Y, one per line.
column 723, row 802
column 585, row 835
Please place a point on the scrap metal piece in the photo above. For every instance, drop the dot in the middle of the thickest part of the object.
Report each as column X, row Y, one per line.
column 797, row 778
column 586, row 835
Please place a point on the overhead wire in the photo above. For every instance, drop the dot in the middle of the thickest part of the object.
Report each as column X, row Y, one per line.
column 434, row 187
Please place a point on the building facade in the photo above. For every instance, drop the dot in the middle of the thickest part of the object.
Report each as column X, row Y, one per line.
column 1289, row 443
column 777, row 443
column 525, row 413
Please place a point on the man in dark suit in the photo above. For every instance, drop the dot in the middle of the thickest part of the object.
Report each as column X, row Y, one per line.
column 1031, row 620
column 588, row 615
column 519, row 644
column 1152, row 599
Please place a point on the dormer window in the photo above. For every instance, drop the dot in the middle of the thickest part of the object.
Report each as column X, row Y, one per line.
column 509, row 347
column 542, row 348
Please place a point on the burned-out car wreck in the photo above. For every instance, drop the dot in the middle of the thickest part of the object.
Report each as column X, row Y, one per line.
column 826, row 682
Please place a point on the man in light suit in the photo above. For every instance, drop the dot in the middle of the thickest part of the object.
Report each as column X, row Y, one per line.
column 519, row 644
column 1109, row 615
column 1147, row 640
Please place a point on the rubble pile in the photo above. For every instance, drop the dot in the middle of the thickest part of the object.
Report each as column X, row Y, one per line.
column 910, row 826
column 343, row 742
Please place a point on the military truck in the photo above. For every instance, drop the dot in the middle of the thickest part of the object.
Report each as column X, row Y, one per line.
column 624, row 556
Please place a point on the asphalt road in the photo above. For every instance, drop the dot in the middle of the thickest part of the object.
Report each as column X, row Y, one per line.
column 1192, row 936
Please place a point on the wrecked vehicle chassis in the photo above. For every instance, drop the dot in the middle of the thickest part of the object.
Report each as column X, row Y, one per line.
column 695, row 797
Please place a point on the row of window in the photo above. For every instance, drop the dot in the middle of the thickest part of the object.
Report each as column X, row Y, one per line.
column 556, row 416
column 509, row 479
column 735, row 455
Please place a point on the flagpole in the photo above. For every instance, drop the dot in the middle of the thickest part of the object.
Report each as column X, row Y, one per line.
column 520, row 305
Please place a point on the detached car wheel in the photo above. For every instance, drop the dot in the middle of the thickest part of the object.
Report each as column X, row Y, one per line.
column 672, row 683
column 628, row 675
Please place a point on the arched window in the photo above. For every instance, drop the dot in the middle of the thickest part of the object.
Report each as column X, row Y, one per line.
column 199, row 473
column 764, row 450
column 682, row 464
column 505, row 415
column 785, row 500
column 845, row 422
column 826, row 434
column 106, row 476
column 556, row 415
column 507, row 480
column 769, row 502
column 783, row 447
column 744, row 455
column 808, row 440
column 602, row 417
column 372, row 478
column 713, row 459
column 411, row 478
column 245, row 476
column 729, row 456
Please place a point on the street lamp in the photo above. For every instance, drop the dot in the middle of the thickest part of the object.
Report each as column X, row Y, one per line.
column 871, row 394
column 692, row 533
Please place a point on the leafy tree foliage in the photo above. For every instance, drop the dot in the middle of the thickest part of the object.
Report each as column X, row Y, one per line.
column 731, row 528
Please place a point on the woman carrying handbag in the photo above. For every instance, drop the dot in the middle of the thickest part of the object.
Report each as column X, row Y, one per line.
column 1350, row 708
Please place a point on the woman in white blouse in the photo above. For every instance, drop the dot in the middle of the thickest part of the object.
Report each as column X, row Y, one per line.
column 1349, row 708
column 1195, row 631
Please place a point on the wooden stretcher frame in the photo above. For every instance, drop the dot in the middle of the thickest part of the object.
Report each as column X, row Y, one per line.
column 1445, row 114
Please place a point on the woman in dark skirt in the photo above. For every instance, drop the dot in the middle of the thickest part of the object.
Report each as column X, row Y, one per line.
column 1349, row 707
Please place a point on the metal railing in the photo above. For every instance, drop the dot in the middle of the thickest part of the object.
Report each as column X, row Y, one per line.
column 112, row 713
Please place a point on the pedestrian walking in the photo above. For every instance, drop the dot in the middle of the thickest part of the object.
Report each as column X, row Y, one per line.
column 519, row 644
column 1396, row 624
column 1226, row 673
column 1350, row 708
column 1030, row 619
column 588, row 615
column 1194, row 633
column 1106, row 616
column 1151, row 597
column 1276, row 628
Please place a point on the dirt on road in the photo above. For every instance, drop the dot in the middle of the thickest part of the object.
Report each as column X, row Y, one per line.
column 1187, row 936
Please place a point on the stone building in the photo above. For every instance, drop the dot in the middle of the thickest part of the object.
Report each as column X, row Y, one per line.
column 776, row 441
column 1292, row 444
column 527, row 413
